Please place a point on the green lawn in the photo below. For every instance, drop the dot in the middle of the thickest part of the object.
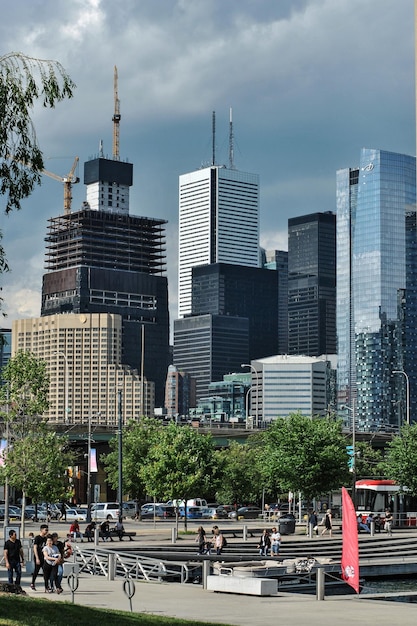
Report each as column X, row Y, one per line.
column 25, row 611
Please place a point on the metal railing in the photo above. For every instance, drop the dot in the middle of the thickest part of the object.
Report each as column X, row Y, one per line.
column 127, row 565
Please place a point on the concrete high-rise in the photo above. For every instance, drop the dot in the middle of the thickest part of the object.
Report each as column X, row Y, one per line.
column 312, row 284
column 101, row 259
column 218, row 223
column 376, row 289
column 83, row 356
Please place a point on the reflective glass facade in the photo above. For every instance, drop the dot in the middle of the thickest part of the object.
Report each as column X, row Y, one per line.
column 312, row 284
column 376, row 260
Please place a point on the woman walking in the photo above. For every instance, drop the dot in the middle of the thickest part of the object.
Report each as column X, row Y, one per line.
column 50, row 565
column 201, row 540
column 328, row 524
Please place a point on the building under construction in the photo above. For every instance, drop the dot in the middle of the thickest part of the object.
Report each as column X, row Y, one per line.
column 103, row 260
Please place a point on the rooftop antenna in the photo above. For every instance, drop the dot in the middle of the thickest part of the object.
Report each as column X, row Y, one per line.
column 231, row 151
column 100, row 149
column 213, row 132
column 116, row 119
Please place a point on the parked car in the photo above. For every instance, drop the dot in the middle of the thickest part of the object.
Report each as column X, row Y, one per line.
column 129, row 509
column 104, row 510
column 161, row 511
column 15, row 512
column 246, row 512
column 215, row 513
column 76, row 515
column 41, row 515
column 193, row 512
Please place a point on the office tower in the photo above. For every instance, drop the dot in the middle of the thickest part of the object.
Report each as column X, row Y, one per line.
column 5, row 346
column 278, row 260
column 83, row 355
column 218, row 223
column 235, row 290
column 209, row 346
column 285, row 384
column 100, row 259
column 312, row 284
column 179, row 393
column 376, row 290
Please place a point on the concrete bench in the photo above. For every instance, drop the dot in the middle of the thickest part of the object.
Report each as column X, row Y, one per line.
column 245, row 586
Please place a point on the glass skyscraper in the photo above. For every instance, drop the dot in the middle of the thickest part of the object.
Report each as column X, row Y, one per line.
column 312, row 284
column 376, row 289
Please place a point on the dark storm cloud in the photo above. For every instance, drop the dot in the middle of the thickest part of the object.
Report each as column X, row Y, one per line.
column 310, row 83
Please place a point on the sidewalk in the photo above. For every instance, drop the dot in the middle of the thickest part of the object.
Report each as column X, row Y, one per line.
column 193, row 603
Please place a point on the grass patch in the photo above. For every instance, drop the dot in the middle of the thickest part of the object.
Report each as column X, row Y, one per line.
column 25, row 611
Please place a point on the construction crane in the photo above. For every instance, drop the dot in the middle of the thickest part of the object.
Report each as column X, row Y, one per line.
column 116, row 119
column 68, row 182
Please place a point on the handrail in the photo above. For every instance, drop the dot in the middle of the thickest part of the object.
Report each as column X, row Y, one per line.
column 126, row 564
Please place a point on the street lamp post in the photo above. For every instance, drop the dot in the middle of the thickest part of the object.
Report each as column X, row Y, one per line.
column 66, row 414
column 407, row 398
column 253, row 368
column 247, row 407
column 89, row 470
column 120, row 457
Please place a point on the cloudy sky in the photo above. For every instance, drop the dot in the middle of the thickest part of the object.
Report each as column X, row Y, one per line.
column 311, row 82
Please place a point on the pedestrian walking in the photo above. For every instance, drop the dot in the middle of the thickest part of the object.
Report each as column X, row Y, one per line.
column 50, row 565
column 313, row 523
column 218, row 540
column 13, row 557
column 38, row 545
column 60, row 564
column 201, row 539
column 328, row 523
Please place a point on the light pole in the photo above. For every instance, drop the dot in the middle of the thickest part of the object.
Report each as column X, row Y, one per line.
column 66, row 384
column 407, row 388
column 120, row 457
column 89, row 470
column 253, row 368
column 247, row 407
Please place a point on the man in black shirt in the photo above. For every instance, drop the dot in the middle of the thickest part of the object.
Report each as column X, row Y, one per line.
column 38, row 546
column 13, row 557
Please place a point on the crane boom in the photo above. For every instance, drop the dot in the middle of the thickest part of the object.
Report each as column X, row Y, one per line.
column 116, row 119
column 68, row 182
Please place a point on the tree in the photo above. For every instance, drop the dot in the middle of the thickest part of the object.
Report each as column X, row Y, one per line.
column 181, row 464
column 23, row 398
column 23, row 81
column 37, row 463
column 305, row 454
column 368, row 461
column 136, row 443
column 241, row 479
column 401, row 459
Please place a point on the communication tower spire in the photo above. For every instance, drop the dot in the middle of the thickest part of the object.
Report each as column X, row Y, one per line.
column 116, row 119
column 213, row 132
column 231, row 138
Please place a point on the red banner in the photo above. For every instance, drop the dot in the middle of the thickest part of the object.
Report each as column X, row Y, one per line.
column 350, row 547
